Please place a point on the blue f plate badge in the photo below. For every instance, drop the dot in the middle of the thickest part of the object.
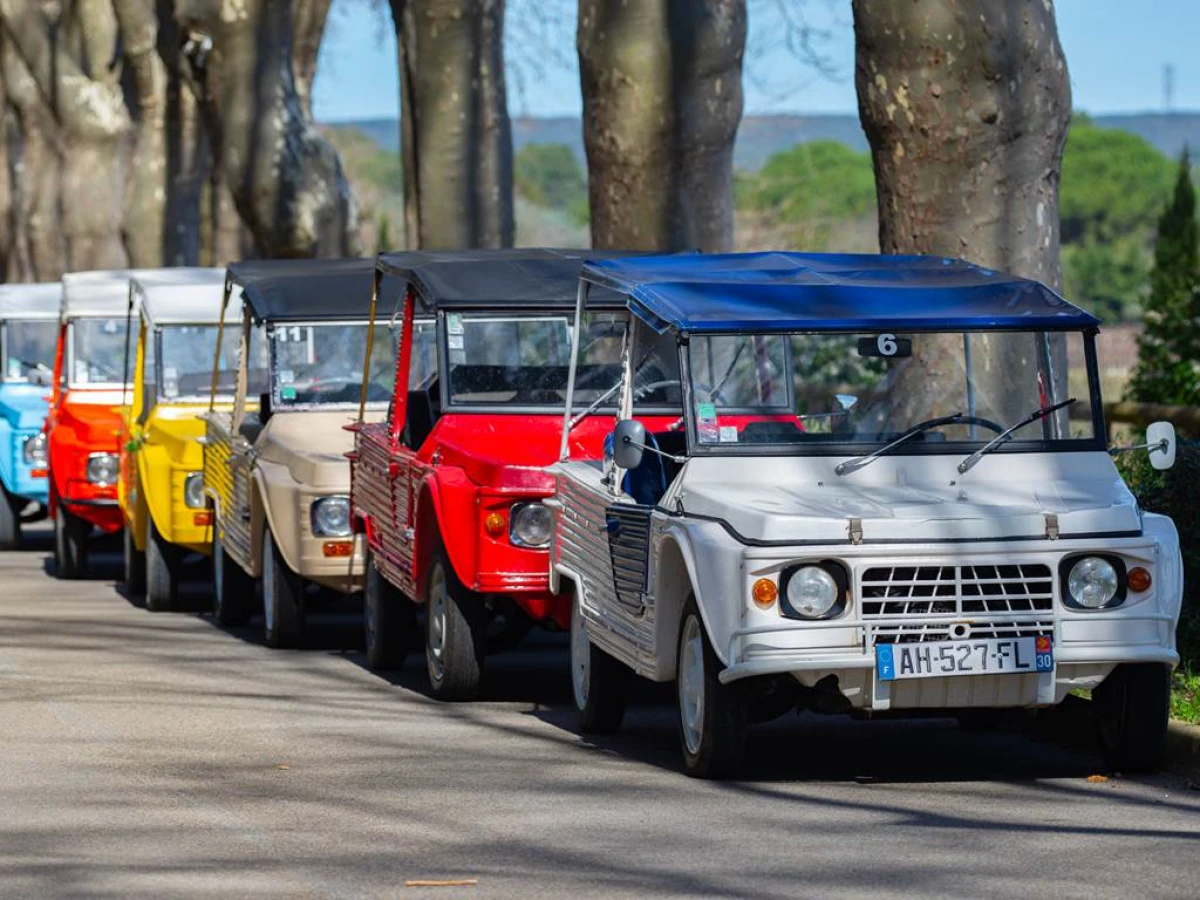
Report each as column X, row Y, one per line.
column 941, row 659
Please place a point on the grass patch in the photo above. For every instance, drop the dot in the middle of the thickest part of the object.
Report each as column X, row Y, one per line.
column 1185, row 696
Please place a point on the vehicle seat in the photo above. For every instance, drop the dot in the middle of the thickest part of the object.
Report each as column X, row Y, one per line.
column 648, row 482
column 421, row 416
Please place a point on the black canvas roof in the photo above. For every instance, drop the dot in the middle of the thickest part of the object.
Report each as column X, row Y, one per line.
column 522, row 277
column 307, row 290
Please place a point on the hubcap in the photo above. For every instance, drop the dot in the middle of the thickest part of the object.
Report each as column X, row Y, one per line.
column 269, row 584
column 691, row 684
column 581, row 662
column 436, row 612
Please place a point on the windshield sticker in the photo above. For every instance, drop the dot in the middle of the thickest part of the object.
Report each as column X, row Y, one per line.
column 729, row 434
column 14, row 368
column 286, row 376
column 454, row 324
column 287, row 393
column 706, row 421
column 456, row 341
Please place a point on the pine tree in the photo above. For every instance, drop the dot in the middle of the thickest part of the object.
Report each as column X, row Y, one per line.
column 1168, row 367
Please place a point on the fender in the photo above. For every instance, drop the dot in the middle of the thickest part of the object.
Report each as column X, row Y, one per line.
column 446, row 494
column 262, row 518
column 670, row 596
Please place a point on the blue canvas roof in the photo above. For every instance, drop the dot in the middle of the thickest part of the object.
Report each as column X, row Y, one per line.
column 761, row 292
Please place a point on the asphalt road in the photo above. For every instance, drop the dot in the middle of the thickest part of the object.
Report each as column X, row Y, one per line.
column 158, row 755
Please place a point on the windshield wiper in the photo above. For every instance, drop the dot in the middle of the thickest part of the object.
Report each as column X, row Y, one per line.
column 969, row 463
column 853, row 465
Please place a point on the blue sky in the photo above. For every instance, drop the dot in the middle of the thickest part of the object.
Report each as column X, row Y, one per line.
column 1116, row 51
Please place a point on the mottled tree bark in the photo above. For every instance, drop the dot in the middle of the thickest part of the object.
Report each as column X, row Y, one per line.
column 965, row 104
column 7, row 207
column 146, row 192
column 85, row 98
column 662, row 100
column 455, row 133
column 39, row 248
column 287, row 181
column 309, row 18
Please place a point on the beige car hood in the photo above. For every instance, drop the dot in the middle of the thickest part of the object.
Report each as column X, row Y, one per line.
column 313, row 446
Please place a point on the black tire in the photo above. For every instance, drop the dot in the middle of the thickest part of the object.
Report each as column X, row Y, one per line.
column 70, row 545
column 389, row 620
column 455, row 633
column 163, row 561
column 599, row 683
column 713, row 736
column 1133, row 706
column 233, row 589
column 135, row 567
column 10, row 521
column 283, row 598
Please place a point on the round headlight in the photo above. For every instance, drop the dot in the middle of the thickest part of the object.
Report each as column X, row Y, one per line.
column 193, row 490
column 331, row 517
column 530, row 525
column 102, row 468
column 34, row 451
column 1093, row 582
column 812, row 592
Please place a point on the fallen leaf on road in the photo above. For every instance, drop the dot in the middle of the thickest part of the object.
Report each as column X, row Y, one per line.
column 1097, row 779
column 454, row 882
column 283, row 766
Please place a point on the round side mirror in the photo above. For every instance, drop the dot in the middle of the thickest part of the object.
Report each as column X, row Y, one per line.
column 1161, row 442
column 629, row 439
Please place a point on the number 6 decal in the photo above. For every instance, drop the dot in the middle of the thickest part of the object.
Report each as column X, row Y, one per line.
column 886, row 343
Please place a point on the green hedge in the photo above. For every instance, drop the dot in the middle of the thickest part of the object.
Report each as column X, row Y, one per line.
column 1176, row 493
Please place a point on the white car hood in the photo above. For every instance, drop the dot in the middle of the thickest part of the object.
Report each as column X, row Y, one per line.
column 802, row 499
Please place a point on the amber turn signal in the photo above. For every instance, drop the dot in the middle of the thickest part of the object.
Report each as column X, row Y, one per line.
column 765, row 593
column 39, row 473
column 1139, row 580
column 202, row 519
column 337, row 548
column 494, row 523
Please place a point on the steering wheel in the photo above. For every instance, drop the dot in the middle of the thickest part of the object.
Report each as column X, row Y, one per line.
column 641, row 392
column 711, row 394
column 979, row 420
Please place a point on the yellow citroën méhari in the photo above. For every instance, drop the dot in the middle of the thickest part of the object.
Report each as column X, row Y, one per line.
column 161, row 488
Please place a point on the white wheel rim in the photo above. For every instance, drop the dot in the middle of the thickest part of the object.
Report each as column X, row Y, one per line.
column 691, row 684
column 581, row 662
column 437, row 622
column 269, row 584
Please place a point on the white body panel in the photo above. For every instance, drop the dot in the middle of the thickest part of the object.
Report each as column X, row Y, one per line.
column 727, row 521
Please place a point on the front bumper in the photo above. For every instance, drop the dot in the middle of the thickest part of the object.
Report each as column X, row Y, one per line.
column 1087, row 644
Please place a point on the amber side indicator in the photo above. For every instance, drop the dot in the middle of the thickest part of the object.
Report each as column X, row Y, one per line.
column 337, row 548
column 1139, row 580
column 39, row 473
column 765, row 593
column 494, row 523
column 203, row 519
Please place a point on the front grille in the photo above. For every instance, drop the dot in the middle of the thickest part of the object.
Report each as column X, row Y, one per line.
column 921, row 633
column 956, row 590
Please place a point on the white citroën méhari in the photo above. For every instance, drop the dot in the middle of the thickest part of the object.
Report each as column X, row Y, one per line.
column 885, row 486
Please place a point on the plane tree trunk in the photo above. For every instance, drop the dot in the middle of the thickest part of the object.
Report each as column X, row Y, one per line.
column 965, row 104
column 455, row 133
column 287, row 181
column 84, row 95
column 662, row 101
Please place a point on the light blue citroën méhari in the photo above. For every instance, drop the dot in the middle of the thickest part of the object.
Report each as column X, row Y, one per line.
column 28, row 332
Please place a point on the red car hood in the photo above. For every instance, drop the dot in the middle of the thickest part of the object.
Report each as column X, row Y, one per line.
column 96, row 424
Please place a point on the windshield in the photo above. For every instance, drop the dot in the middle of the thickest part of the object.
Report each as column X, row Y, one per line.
column 507, row 360
column 322, row 365
column 29, row 351
column 186, row 362
column 814, row 390
column 98, row 352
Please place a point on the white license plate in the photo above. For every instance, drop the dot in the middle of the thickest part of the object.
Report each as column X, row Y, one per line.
column 993, row 656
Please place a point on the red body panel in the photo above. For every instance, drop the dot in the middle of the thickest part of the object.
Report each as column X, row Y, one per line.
column 74, row 431
column 471, row 465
